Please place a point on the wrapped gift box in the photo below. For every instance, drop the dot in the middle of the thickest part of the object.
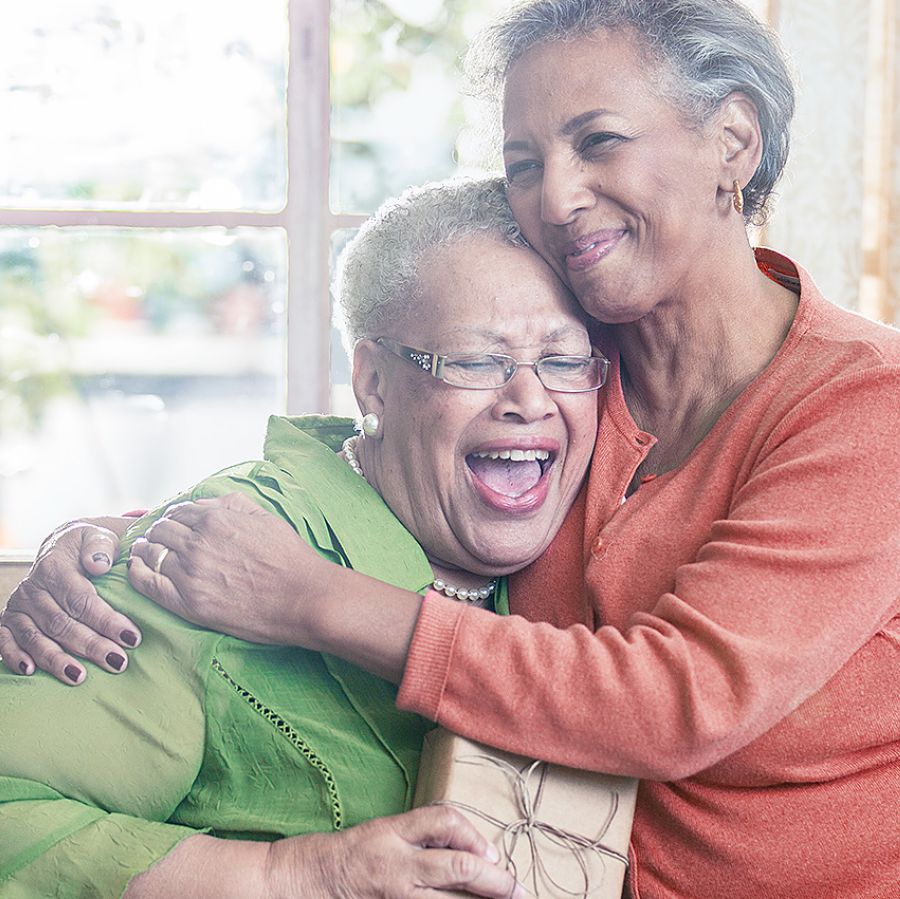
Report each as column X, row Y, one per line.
column 563, row 832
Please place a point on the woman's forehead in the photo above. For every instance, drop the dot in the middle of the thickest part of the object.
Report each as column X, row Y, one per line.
column 605, row 67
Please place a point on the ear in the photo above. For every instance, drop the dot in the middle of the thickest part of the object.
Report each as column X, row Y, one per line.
column 368, row 377
column 740, row 140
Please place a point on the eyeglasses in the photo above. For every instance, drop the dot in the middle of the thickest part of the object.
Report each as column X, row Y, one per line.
column 488, row 371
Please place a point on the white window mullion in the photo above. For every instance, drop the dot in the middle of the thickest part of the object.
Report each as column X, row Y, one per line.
column 307, row 212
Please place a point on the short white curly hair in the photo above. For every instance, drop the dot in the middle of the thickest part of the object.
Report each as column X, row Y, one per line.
column 377, row 276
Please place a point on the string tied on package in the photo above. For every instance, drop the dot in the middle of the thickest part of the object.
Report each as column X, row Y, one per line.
column 535, row 831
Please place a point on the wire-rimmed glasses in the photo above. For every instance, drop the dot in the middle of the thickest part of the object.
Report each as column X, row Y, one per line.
column 488, row 371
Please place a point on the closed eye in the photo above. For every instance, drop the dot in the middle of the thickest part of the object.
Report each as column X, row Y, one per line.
column 598, row 141
column 476, row 364
column 522, row 171
column 566, row 365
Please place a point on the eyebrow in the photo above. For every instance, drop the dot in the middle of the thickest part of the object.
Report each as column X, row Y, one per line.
column 567, row 130
column 580, row 121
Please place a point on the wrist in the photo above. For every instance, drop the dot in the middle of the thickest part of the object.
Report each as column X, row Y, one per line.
column 205, row 867
column 295, row 866
column 326, row 588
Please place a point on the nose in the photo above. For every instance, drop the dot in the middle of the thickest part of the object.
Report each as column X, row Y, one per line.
column 564, row 191
column 524, row 398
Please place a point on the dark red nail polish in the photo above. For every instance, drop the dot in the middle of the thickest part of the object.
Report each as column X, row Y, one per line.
column 23, row 667
column 129, row 638
column 72, row 673
column 114, row 660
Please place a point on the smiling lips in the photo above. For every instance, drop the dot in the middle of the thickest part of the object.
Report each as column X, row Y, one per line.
column 511, row 479
column 581, row 254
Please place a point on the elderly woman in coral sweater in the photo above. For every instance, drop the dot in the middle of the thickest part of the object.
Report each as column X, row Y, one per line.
column 719, row 613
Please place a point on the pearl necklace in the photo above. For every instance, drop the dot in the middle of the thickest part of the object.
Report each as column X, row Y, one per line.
column 348, row 448
column 462, row 594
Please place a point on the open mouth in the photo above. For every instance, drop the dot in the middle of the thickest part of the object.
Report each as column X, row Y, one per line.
column 510, row 472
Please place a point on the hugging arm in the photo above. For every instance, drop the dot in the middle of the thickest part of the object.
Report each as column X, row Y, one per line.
column 220, row 550
column 800, row 575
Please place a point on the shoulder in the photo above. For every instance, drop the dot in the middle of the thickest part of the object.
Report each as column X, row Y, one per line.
column 829, row 347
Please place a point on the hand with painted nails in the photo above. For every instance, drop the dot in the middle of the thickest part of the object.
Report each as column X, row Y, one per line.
column 202, row 559
column 54, row 617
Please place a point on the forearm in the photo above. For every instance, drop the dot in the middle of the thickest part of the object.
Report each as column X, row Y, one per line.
column 58, row 846
column 203, row 867
column 344, row 624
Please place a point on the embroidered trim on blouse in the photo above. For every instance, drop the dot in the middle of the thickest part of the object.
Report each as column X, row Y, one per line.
column 337, row 811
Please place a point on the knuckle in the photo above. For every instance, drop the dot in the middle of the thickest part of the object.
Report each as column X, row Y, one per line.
column 95, row 648
column 28, row 637
column 448, row 818
column 464, row 867
column 20, row 598
column 58, row 625
column 77, row 603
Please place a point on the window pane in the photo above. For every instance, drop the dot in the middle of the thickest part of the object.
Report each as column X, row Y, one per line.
column 132, row 363
column 398, row 114
column 153, row 105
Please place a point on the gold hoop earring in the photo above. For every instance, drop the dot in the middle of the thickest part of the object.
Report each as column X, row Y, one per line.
column 737, row 198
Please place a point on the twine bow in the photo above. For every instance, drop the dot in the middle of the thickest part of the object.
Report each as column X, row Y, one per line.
column 529, row 826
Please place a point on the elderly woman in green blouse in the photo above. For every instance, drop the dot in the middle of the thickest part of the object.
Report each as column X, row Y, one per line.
column 218, row 767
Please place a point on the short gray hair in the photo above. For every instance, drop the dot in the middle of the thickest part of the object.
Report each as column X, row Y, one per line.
column 711, row 48
column 377, row 277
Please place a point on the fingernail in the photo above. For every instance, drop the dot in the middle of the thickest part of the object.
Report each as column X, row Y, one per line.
column 72, row 673
column 114, row 660
column 23, row 667
column 102, row 557
column 129, row 638
column 492, row 854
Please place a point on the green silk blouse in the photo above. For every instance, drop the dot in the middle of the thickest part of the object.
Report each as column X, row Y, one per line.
column 205, row 732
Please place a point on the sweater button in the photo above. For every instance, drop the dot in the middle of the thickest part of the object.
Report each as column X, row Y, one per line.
column 598, row 547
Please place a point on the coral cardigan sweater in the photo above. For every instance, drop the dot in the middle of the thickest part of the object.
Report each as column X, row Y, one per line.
column 730, row 633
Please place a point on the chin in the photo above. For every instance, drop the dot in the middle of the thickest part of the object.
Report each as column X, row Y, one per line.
column 508, row 557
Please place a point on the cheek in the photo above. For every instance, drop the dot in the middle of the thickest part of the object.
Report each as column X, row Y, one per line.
column 525, row 204
column 581, row 420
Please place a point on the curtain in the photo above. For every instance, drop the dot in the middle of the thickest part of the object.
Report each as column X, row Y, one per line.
column 838, row 206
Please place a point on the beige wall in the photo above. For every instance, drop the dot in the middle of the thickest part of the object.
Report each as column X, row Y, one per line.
column 10, row 575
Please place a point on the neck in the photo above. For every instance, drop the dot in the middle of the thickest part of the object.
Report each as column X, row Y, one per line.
column 697, row 350
column 474, row 589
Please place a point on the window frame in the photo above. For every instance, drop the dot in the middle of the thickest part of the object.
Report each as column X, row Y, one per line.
column 306, row 217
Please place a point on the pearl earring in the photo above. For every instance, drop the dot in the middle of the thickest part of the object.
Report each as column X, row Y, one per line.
column 370, row 424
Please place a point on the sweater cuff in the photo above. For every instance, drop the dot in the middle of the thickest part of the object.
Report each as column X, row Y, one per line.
column 429, row 656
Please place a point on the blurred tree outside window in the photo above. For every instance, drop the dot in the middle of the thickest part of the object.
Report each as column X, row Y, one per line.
column 400, row 114
column 148, row 232
column 136, row 357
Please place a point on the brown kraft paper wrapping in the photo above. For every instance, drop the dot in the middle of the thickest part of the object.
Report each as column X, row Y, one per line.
column 564, row 832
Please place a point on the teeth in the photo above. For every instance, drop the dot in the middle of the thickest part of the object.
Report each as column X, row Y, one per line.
column 516, row 455
column 585, row 250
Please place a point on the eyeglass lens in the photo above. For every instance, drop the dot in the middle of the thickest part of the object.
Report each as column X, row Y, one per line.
column 564, row 373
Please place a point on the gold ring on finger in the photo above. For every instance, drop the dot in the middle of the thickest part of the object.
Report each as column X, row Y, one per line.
column 157, row 565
